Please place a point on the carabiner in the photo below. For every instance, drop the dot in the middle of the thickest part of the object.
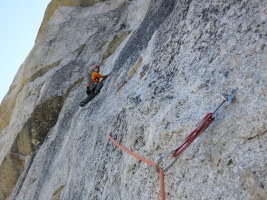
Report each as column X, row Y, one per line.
column 165, row 155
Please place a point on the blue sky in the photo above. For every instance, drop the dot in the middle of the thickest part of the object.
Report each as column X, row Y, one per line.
column 19, row 22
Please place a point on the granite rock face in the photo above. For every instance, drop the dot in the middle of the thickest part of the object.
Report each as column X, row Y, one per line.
column 54, row 5
column 168, row 62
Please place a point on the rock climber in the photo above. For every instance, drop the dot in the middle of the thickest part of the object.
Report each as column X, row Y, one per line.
column 94, row 84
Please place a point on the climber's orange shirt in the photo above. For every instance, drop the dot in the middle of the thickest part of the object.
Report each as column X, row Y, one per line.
column 96, row 76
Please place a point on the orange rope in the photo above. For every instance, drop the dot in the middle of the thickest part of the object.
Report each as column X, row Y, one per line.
column 161, row 172
column 162, row 184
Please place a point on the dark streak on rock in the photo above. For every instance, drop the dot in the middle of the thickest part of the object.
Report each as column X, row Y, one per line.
column 156, row 15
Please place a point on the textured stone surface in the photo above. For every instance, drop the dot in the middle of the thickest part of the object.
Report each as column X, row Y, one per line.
column 54, row 5
column 113, row 45
column 10, row 170
column 177, row 59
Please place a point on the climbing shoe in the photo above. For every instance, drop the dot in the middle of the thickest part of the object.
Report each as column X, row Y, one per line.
column 82, row 104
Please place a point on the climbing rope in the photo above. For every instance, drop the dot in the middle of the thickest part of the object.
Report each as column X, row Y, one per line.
column 159, row 169
column 201, row 127
column 161, row 172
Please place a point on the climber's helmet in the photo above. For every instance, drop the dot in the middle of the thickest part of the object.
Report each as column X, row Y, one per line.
column 96, row 66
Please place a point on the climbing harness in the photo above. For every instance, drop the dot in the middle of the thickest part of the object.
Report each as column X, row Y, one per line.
column 201, row 127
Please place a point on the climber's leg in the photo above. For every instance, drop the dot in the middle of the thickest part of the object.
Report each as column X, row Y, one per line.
column 88, row 91
column 98, row 87
column 87, row 99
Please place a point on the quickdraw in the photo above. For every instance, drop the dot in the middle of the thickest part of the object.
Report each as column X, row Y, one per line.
column 201, row 127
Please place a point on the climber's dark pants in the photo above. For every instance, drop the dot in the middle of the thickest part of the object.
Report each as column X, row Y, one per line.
column 98, row 87
column 89, row 98
column 95, row 87
column 92, row 93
